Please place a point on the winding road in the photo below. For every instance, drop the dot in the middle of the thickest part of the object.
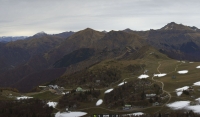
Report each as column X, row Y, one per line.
column 137, row 109
column 164, row 91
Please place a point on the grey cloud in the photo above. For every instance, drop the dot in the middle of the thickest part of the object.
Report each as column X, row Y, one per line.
column 32, row 16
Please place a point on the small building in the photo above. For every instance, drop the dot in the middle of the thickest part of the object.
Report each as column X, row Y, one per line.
column 65, row 93
column 98, row 81
column 148, row 96
column 52, row 91
column 156, row 104
column 127, row 107
column 79, row 89
column 53, row 86
column 173, row 77
column 145, row 71
column 67, row 109
column 42, row 86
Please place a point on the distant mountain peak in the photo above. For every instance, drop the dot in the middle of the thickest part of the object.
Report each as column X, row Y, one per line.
column 172, row 23
column 194, row 28
column 104, row 31
column 40, row 34
column 88, row 29
column 175, row 26
column 127, row 30
column 171, row 26
column 12, row 38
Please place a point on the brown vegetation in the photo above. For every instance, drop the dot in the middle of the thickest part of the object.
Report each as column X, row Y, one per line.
column 25, row 108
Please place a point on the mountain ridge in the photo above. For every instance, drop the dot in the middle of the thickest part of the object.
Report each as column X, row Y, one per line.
column 88, row 47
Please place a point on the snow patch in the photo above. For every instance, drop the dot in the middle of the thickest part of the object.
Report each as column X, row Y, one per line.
column 197, row 83
column 195, row 108
column 122, row 83
column 198, row 67
column 183, row 72
column 108, row 91
column 70, row 114
column 183, row 88
column 179, row 91
column 191, row 62
column 52, row 104
column 64, row 93
column 160, row 75
column 143, row 76
column 99, row 102
column 178, row 105
column 23, row 97
column 136, row 114
column 184, row 105
column 198, row 99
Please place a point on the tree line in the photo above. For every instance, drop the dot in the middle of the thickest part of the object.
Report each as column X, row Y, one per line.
column 25, row 108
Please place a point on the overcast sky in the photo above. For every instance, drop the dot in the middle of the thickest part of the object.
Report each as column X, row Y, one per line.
column 27, row 17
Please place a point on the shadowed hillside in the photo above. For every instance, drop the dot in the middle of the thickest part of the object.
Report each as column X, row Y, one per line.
column 82, row 39
column 176, row 40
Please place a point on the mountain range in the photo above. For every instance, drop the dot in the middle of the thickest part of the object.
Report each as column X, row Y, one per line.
column 6, row 39
column 41, row 58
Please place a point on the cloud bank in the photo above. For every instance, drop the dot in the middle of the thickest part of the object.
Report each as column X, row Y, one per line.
column 25, row 17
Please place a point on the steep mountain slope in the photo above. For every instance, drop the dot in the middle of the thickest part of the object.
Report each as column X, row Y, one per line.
column 24, row 57
column 176, row 40
column 38, row 44
column 112, row 45
column 84, row 48
column 82, row 39
column 19, row 52
column 175, row 26
column 12, row 76
column 120, row 39
column 74, row 57
column 110, row 70
column 64, row 34
column 30, row 81
column 12, row 56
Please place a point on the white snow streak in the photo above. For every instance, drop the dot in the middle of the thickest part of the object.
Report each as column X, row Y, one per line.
column 143, row 76
column 99, row 102
column 108, row 91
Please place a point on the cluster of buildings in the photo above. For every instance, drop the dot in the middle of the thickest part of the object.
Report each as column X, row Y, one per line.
column 59, row 90
column 55, row 89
